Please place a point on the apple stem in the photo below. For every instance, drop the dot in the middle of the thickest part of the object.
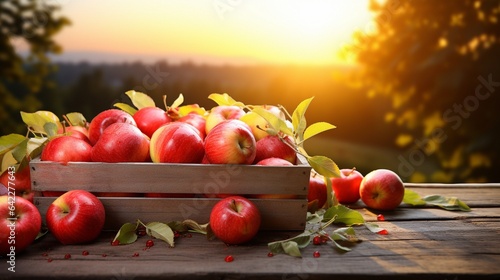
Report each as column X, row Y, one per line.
column 165, row 102
column 234, row 206
column 350, row 172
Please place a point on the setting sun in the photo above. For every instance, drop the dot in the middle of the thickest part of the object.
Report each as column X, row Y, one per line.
column 271, row 32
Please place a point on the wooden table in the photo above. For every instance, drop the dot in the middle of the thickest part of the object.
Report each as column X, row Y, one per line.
column 423, row 243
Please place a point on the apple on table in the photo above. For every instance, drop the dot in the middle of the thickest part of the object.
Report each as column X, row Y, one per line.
column 346, row 187
column 382, row 189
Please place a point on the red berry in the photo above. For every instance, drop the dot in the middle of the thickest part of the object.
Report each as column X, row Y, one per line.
column 380, row 217
column 136, row 254
column 150, row 243
column 67, row 256
column 229, row 258
column 177, row 234
column 383, row 232
column 104, row 255
column 49, row 260
column 270, row 254
column 317, row 240
column 85, row 253
column 45, row 254
column 324, row 239
column 316, row 254
column 115, row 242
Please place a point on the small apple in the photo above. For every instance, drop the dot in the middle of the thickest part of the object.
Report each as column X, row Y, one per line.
column 149, row 119
column 346, row 187
column 222, row 113
column 274, row 146
column 20, row 223
column 20, row 180
column 177, row 142
column 104, row 119
column 382, row 189
column 121, row 142
column 317, row 189
column 196, row 120
column 235, row 220
column 65, row 149
column 230, row 142
column 75, row 217
column 273, row 161
column 75, row 131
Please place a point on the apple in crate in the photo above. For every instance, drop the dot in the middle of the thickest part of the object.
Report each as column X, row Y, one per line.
column 21, row 182
column 75, row 217
column 346, row 187
column 196, row 120
column 222, row 113
column 177, row 142
column 65, row 149
column 18, row 227
column 121, row 142
column 149, row 119
column 273, row 161
column 317, row 189
column 274, row 146
column 104, row 119
column 230, row 142
column 235, row 220
column 75, row 131
column 382, row 189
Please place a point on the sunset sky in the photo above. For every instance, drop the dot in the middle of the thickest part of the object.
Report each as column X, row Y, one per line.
column 213, row 31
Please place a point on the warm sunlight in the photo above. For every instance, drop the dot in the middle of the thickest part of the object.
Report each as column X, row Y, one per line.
column 283, row 32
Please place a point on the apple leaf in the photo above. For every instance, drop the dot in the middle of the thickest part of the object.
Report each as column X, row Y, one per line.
column 76, row 119
column 225, row 99
column 275, row 123
column 127, row 234
column 324, row 166
column 317, row 128
column 412, row 198
column 43, row 231
column 373, row 227
column 50, row 128
column 343, row 234
column 178, row 102
column 298, row 118
column 191, row 108
column 20, row 151
column 140, row 100
column 36, row 121
column 343, row 215
column 125, row 107
column 161, row 231
column 447, row 203
column 195, row 226
column 8, row 142
column 292, row 245
column 7, row 160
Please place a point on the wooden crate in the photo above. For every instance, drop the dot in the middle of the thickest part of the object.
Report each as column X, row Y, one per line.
column 194, row 179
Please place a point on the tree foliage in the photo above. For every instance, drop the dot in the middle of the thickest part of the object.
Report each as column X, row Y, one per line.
column 32, row 25
column 438, row 63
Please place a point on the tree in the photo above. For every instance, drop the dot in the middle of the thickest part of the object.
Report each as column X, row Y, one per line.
column 438, row 63
column 32, row 24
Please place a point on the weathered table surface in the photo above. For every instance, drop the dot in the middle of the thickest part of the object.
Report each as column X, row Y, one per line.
column 423, row 243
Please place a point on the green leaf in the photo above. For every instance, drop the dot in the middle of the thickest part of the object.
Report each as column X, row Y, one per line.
column 127, row 234
column 298, row 118
column 344, row 234
column 195, row 226
column 7, row 160
column 448, row 203
column 317, row 128
column 291, row 248
column 50, row 128
column 344, row 215
column 36, row 121
column 161, row 231
column 76, row 119
column 275, row 123
column 8, row 142
column 324, row 166
column 292, row 245
column 412, row 198
column 373, row 227
column 178, row 102
column 125, row 107
column 224, row 99
column 140, row 100
column 20, row 151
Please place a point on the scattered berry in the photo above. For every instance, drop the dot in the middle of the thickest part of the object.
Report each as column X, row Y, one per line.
column 136, row 254
column 49, row 260
column 85, row 253
column 317, row 240
column 383, row 232
column 324, row 239
column 104, row 255
column 45, row 254
column 67, row 256
column 177, row 234
column 115, row 242
column 270, row 254
column 316, row 254
column 150, row 243
column 380, row 217
column 229, row 258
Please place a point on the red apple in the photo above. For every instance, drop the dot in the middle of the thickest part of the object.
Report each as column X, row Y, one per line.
column 235, row 220
column 104, row 119
column 121, row 142
column 317, row 189
column 197, row 121
column 75, row 131
column 20, row 180
column 65, row 149
column 272, row 161
column 75, row 217
column 231, row 142
column 20, row 223
column 222, row 113
column 346, row 187
column 382, row 189
column 177, row 142
column 274, row 146
column 149, row 119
